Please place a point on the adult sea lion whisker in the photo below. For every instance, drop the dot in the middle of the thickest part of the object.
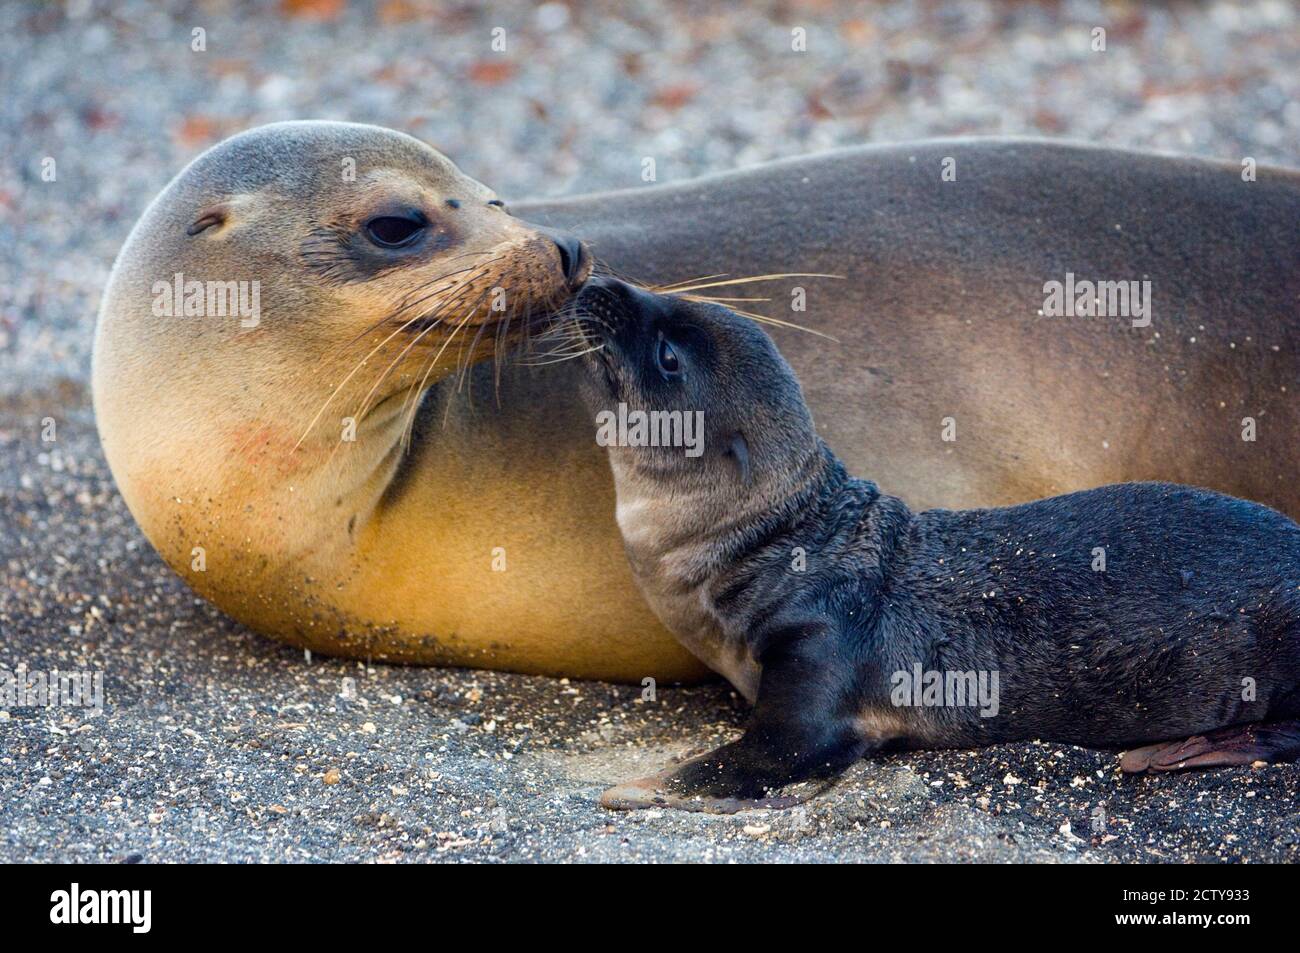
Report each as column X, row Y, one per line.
column 766, row 319
column 434, row 319
column 562, row 357
column 430, row 316
column 465, row 358
column 572, row 334
column 451, row 302
column 433, row 362
column 404, row 305
column 343, row 383
column 683, row 287
column 497, row 345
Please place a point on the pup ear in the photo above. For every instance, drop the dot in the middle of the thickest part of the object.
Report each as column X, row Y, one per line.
column 738, row 451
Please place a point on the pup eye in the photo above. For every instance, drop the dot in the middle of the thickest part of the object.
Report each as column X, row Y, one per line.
column 666, row 359
column 392, row 231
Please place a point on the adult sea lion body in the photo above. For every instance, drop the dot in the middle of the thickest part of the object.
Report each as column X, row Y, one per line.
column 491, row 540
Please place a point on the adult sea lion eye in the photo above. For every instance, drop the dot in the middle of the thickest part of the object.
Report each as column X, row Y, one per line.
column 393, row 231
column 666, row 359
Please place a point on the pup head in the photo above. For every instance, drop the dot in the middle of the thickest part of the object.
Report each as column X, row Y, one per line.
column 691, row 398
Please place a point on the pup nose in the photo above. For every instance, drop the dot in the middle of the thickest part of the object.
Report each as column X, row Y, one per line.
column 575, row 260
column 604, row 288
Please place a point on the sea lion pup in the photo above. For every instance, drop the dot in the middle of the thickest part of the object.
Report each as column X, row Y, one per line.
column 1129, row 614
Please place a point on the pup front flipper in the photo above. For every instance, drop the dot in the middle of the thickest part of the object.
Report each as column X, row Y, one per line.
column 694, row 786
column 800, row 731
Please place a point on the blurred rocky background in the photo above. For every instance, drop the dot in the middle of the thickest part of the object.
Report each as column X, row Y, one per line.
column 219, row 745
column 115, row 93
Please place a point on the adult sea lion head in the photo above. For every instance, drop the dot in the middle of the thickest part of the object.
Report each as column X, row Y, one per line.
column 305, row 261
column 271, row 323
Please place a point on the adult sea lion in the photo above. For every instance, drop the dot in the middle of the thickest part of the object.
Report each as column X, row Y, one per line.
column 489, row 540
column 1130, row 613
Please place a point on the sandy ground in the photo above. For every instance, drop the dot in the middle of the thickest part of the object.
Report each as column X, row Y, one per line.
column 217, row 744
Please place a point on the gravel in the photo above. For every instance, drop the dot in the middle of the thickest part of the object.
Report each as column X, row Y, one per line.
column 217, row 744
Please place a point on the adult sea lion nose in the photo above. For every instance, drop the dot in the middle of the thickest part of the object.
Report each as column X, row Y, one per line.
column 575, row 260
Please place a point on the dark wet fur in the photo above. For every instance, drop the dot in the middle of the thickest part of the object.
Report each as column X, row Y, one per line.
column 1200, row 593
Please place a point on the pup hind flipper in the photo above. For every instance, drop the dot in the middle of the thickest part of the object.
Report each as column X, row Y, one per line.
column 1224, row 747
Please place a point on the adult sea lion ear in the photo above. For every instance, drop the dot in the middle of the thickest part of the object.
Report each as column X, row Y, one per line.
column 208, row 217
column 220, row 213
column 738, row 450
